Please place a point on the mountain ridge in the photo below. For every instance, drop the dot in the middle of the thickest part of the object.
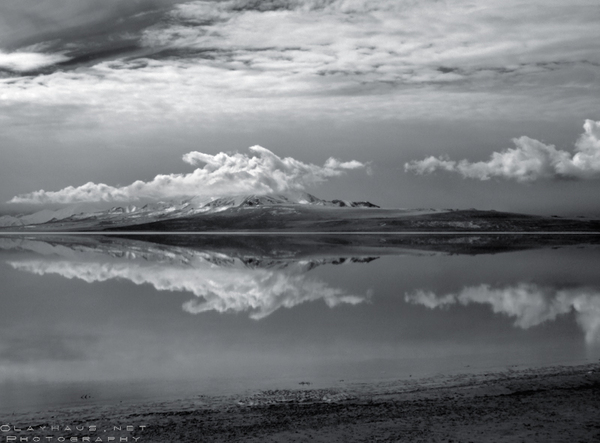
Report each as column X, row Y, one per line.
column 297, row 212
column 131, row 214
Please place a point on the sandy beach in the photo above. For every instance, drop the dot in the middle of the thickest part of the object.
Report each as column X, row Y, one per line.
column 551, row 404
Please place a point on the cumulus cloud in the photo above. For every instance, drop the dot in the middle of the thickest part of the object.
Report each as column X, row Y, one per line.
column 529, row 161
column 528, row 303
column 222, row 175
column 222, row 284
column 28, row 61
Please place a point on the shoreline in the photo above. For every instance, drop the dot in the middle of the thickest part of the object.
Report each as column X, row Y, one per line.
column 295, row 233
column 555, row 403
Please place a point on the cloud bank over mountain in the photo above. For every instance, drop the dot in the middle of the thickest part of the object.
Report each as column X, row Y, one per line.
column 530, row 304
column 222, row 175
column 529, row 161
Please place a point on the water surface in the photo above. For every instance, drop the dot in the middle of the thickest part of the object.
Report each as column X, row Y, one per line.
column 109, row 319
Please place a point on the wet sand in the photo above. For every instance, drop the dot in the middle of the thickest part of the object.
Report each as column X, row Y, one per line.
column 552, row 404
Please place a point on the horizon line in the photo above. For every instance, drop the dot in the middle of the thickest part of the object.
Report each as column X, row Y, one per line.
column 238, row 233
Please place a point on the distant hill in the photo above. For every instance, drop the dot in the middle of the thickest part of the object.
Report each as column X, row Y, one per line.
column 324, row 219
column 300, row 212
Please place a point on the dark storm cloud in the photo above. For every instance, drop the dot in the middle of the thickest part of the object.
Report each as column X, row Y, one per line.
column 277, row 5
column 27, row 22
column 41, row 37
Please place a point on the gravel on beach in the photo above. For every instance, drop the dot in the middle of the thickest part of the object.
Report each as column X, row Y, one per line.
column 551, row 404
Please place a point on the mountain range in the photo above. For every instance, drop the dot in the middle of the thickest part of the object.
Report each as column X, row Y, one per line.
column 301, row 212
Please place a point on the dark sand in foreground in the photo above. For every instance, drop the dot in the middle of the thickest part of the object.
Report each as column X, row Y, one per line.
column 554, row 404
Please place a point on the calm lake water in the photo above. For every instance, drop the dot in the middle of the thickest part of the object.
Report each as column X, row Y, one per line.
column 93, row 319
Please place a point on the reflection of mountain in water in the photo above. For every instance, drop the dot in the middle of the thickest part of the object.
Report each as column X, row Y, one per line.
column 261, row 274
column 221, row 282
column 528, row 303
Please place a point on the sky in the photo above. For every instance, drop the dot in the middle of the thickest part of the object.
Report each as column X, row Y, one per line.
column 404, row 103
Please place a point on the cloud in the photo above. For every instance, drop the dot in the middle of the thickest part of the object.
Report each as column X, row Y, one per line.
column 222, row 175
column 222, row 284
column 372, row 45
column 528, row 303
column 529, row 161
column 28, row 61
column 380, row 58
column 29, row 20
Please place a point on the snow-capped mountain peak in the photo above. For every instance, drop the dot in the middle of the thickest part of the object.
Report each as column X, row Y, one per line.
column 170, row 209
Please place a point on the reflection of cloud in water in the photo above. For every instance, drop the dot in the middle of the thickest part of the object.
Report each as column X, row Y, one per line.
column 234, row 287
column 529, row 303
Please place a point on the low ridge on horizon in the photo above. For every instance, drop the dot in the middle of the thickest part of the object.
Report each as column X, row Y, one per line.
column 171, row 208
column 292, row 212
